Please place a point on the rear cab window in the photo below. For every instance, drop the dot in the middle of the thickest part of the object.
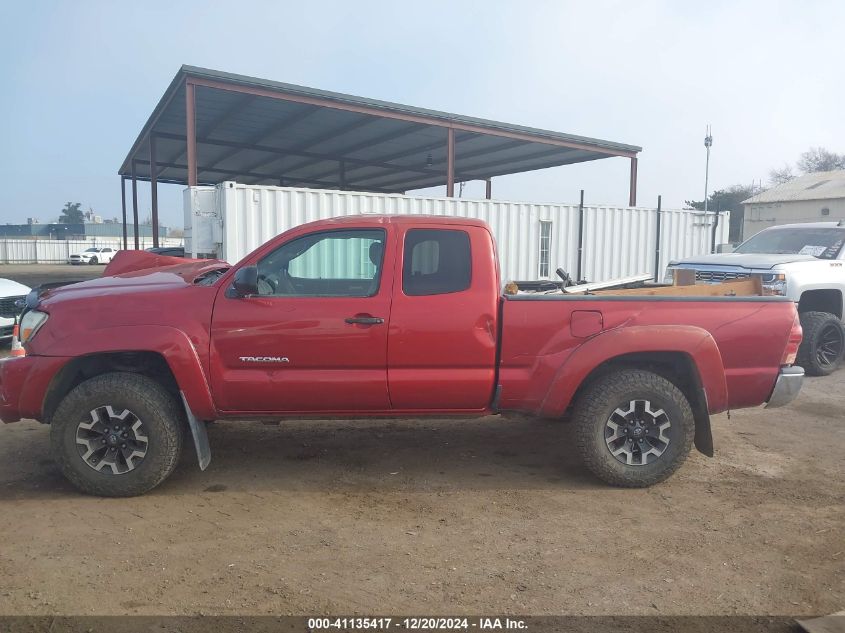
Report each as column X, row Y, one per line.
column 436, row 261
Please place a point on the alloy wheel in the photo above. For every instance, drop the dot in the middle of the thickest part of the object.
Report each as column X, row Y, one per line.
column 830, row 345
column 635, row 433
column 112, row 441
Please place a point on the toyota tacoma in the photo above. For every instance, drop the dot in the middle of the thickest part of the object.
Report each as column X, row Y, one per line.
column 380, row 316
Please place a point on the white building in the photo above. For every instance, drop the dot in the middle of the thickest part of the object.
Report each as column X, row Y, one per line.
column 814, row 197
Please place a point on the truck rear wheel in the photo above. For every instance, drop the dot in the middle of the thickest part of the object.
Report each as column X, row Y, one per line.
column 117, row 435
column 634, row 428
column 821, row 350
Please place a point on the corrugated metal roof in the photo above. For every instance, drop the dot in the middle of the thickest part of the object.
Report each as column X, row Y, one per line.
column 258, row 131
column 821, row 185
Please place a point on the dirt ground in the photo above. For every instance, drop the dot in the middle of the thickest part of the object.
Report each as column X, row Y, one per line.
column 439, row 517
column 35, row 274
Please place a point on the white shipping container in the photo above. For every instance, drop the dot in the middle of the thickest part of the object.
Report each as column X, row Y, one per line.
column 230, row 220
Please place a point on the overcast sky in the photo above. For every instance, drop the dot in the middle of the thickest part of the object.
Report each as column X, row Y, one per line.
column 80, row 79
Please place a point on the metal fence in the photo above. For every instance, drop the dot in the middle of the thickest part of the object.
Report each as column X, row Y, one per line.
column 58, row 251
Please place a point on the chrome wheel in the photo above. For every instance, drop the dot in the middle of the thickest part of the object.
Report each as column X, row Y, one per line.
column 829, row 349
column 636, row 433
column 112, row 441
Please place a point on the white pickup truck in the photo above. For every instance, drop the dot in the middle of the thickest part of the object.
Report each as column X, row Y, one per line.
column 805, row 262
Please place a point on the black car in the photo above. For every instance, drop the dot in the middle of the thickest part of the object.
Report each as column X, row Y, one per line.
column 170, row 251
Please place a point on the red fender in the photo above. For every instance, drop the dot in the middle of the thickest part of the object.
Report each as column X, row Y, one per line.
column 174, row 345
column 693, row 341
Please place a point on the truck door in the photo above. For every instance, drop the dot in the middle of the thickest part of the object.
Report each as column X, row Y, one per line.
column 315, row 337
column 443, row 323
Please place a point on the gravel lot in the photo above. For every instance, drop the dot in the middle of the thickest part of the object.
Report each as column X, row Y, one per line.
column 35, row 274
column 437, row 517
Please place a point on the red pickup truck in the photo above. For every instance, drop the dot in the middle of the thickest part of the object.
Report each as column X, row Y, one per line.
column 380, row 316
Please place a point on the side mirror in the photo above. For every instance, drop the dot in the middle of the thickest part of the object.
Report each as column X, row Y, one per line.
column 246, row 282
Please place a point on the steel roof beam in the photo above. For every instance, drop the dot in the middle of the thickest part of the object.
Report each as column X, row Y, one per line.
column 322, row 138
column 462, row 155
column 271, row 130
column 281, row 152
column 237, row 172
column 236, row 108
column 466, row 172
column 378, row 140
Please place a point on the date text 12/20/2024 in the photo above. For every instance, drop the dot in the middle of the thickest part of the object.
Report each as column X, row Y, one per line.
column 417, row 623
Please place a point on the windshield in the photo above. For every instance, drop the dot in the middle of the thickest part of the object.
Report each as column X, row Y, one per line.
column 92, row 250
column 823, row 243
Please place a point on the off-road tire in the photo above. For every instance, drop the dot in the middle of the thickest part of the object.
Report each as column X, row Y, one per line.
column 163, row 421
column 815, row 326
column 599, row 401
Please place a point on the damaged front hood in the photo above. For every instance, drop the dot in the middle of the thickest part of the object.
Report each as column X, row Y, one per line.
column 144, row 273
column 134, row 261
column 743, row 260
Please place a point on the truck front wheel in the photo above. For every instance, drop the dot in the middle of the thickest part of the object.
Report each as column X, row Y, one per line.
column 821, row 350
column 634, row 428
column 117, row 435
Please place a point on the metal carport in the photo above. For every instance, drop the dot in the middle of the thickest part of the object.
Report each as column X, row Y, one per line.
column 211, row 126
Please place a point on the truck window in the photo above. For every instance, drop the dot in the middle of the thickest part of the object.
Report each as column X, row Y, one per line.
column 436, row 261
column 821, row 242
column 545, row 247
column 344, row 263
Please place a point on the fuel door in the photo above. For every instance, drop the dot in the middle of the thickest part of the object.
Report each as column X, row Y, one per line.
column 586, row 323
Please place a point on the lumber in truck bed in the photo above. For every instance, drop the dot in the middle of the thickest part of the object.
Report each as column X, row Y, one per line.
column 749, row 287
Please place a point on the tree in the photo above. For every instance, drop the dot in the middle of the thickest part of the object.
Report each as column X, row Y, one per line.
column 729, row 199
column 71, row 214
column 820, row 159
column 780, row 176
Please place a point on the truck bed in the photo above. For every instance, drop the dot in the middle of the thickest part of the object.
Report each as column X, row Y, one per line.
column 549, row 337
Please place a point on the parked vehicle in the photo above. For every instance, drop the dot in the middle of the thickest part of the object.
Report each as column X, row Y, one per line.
column 804, row 262
column 381, row 316
column 93, row 255
column 169, row 251
column 11, row 292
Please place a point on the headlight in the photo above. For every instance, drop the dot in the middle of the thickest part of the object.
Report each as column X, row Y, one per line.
column 669, row 277
column 30, row 324
column 774, row 285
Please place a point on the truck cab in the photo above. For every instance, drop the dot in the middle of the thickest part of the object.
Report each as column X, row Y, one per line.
column 388, row 317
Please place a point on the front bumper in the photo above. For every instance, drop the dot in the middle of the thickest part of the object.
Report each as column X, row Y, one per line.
column 24, row 381
column 787, row 386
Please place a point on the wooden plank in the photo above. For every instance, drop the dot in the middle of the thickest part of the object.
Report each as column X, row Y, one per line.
column 749, row 287
column 684, row 277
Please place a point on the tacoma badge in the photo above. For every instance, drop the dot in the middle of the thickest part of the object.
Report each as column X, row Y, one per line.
column 264, row 359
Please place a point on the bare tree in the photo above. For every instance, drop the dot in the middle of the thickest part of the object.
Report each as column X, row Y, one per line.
column 820, row 159
column 780, row 176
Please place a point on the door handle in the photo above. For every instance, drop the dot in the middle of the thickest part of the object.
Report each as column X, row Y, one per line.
column 365, row 320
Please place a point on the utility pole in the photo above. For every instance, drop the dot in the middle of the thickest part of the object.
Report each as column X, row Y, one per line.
column 708, row 141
